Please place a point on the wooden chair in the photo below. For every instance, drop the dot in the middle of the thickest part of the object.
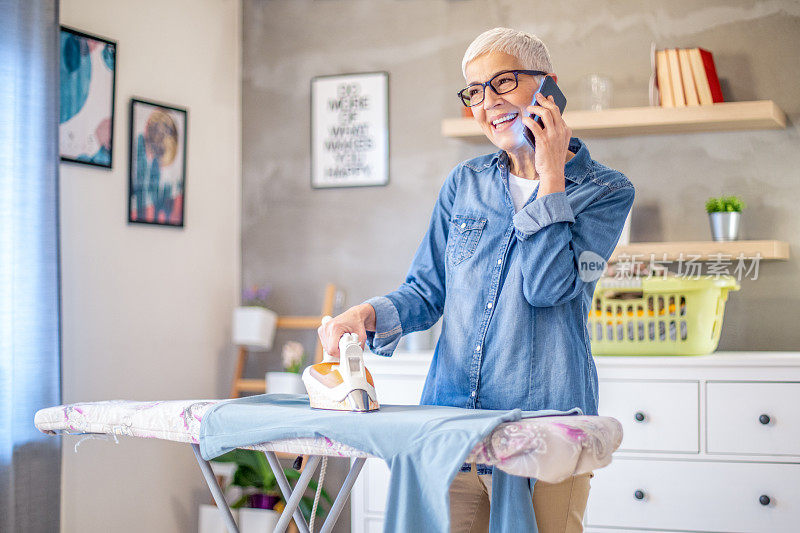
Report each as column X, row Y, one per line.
column 241, row 385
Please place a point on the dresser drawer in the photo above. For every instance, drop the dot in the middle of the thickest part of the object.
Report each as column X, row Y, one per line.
column 376, row 478
column 753, row 418
column 695, row 496
column 660, row 416
column 373, row 525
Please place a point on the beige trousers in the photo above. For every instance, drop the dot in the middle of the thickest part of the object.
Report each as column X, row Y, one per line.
column 559, row 507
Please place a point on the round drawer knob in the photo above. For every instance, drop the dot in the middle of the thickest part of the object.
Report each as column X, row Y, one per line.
column 639, row 416
column 764, row 419
column 763, row 499
column 639, row 494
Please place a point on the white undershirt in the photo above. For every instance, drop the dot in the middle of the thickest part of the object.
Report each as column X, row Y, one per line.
column 521, row 189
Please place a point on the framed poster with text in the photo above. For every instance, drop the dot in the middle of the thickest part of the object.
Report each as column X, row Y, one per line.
column 350, row 130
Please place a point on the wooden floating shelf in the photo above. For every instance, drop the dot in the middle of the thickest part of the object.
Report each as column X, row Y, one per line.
column 618, row 122
column 707, row 250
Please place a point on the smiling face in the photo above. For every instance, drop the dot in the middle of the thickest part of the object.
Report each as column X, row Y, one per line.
column 499, row 114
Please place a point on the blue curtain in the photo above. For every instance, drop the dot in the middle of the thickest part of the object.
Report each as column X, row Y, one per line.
column 30, row 375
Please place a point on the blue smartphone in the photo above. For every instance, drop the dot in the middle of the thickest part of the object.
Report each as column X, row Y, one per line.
column 547, row 88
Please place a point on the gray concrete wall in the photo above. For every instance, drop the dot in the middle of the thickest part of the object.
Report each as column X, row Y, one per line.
column 363, row 239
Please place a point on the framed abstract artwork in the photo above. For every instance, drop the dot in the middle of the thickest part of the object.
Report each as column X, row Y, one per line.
column 86, row 114
column 350, row 130
column 157, row 174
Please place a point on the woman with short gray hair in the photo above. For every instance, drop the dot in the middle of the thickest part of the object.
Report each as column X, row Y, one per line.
column 500, row 262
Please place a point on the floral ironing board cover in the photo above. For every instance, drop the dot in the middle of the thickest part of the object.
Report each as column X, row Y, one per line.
column 547, row 448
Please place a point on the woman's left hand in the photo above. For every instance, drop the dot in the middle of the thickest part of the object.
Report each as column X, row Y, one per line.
column 552, row 143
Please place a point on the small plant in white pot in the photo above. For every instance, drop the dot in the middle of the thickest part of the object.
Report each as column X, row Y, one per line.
column 724, row 214
column 289, row 381
column 254, row 324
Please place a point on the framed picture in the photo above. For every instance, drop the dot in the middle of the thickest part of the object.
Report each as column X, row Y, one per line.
column 86, row 117
column 350, row 130
column 157, row 176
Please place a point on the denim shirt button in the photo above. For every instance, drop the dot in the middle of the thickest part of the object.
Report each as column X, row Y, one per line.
column 478, row 348
column 499, row 261
column 489, row 305
column 474, row 393
column 463, row 225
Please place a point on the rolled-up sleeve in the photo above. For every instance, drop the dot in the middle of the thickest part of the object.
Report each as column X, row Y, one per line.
column 388, row 328
column 419, row 302
column 544, row 211
column 553, row 238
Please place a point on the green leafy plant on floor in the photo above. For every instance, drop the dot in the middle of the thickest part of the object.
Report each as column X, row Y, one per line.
column 253, row 474
column 724, row 204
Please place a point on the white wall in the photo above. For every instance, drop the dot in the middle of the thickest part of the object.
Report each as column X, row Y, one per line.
column 146, row 308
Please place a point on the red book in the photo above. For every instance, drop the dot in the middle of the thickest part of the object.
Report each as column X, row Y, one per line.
column 711, row 75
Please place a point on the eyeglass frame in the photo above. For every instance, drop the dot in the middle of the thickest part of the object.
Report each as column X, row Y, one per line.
column 515, row 72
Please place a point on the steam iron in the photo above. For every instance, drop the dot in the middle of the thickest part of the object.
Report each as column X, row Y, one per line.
column 343, row 385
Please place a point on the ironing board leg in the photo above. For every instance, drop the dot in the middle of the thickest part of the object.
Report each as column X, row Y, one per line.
column 344, row 493
column 216, row 492
column 293, row 500
column 293, row 496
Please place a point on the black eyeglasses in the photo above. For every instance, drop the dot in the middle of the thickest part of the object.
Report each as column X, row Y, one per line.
column 501, row 83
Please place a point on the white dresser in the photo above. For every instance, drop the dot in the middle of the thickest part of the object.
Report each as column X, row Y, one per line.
column 711, row 443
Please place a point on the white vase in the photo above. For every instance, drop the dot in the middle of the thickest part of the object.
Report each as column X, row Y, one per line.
column 257, row 520
column 254, row 327
column 210, row 520
column 285, row 382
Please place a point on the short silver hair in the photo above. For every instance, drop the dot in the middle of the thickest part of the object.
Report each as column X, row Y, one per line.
column 526, row 47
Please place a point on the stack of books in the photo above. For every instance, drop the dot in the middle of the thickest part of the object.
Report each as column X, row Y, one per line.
column 686, row 77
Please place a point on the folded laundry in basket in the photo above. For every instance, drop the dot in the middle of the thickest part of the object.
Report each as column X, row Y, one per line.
column 424, row 447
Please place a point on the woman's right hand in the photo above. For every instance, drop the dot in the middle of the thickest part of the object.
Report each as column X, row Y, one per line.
column 358, row 319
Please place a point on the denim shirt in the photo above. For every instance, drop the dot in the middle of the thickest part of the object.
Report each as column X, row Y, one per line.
column 514, row 305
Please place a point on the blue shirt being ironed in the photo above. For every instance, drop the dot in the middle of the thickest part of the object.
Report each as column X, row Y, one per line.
column 507, row 284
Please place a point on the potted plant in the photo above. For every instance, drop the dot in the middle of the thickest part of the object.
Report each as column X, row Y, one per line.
column 724, row 214
column 293, row 356
column 260, row 503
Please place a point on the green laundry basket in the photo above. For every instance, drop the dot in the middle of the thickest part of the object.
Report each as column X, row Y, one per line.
column 672, row 315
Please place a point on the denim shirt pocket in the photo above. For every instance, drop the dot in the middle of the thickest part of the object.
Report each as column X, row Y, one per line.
column 465, row 232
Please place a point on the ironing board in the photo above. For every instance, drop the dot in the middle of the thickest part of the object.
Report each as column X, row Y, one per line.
column 548, row 448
